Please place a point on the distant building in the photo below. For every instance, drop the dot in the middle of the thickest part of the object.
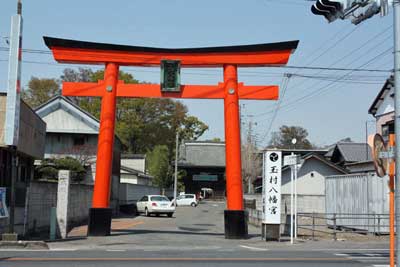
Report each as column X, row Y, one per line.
column 204, row 163
column 355, row 157
column 311, row 174
column 32, row 130
column 133, row 169
column 73, row 132
column 383, row 109
column 286, row 151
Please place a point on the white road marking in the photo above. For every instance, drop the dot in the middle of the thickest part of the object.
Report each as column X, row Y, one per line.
column 63, row 249
column 16, row 250
column 349, row 249
column 369, row 256
column 113, row 250
column 373, row 255
column 253, row 248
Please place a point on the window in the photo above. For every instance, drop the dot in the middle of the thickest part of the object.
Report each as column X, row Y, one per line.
column 189, row 196
column 79, row 141
column 387, row 129
column 159, row 198
column 145, row 198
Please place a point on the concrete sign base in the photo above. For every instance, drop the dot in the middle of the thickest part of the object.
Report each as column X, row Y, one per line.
column 271, row 232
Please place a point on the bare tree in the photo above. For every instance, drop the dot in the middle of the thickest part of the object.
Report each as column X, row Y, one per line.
column 251, row 166
column 85, row 154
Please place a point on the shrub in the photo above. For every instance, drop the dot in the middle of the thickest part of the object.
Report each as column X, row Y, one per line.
column 49, row 168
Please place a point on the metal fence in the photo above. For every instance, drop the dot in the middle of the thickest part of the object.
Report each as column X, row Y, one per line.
column 332, row 223
column 357, row 194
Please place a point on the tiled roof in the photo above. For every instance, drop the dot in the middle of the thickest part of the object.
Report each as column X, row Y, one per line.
column 354, row 152
column 202, row 154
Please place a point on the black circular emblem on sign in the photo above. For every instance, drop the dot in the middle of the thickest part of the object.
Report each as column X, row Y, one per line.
column 273, row 157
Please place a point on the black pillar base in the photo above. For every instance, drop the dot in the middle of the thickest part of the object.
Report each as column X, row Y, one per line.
column 235, row 224
column 99, row 222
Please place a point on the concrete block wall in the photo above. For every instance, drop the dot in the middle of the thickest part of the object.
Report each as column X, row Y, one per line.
column 42, row 197
column 80, row 200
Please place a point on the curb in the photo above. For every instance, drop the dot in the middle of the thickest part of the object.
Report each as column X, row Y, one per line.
column 23, row 245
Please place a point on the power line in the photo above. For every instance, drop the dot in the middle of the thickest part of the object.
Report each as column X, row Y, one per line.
column 335, row 69
column 285, row 83
column 331, row 84
column 352, row 52
column 294, row 104
column 341, row 59
column 335, row 44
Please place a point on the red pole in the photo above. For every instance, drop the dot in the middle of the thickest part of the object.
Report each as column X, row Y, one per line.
column 232, row 140
column 101, row 194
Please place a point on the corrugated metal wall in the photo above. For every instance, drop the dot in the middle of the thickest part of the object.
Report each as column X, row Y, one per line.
column 358, row 195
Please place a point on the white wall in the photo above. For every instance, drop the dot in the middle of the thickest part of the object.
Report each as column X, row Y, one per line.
column 306, row 184
column 387, row 104
column 64, row 122
column 137, row 164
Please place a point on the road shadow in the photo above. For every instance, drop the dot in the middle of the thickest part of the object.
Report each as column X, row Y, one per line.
column 68, row 239
column 124, row 232
column 143, row 231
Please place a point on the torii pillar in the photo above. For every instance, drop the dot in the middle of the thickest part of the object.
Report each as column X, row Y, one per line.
column 113, row 56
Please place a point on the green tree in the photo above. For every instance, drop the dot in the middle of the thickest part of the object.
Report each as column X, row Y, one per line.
column 158, row 166
column 49, row 168
column 283, row 138
column 40, row 90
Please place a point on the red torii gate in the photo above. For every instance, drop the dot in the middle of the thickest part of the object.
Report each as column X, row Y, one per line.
column 113, row 56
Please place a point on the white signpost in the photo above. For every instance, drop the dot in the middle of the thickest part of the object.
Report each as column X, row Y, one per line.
column 292, row 161
column 14, row 83
column 272, row 191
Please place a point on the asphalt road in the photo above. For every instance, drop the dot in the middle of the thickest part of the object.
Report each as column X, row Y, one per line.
column 194, row 237
column 189, row 258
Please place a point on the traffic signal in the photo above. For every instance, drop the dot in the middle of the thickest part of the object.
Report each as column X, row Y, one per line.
column 368, row 11
column 356, row 10
column 330, row 9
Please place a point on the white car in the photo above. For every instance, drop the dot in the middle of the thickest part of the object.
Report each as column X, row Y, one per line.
column 155, row 204
column 187, row 200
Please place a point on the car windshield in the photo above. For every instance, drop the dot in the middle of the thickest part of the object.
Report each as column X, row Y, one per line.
column 159, row 198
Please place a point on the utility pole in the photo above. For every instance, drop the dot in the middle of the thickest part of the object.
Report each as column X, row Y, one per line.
column 19, row 7
column 344, row 9
column 396, row 36
column 176, row 165
column 250, row 156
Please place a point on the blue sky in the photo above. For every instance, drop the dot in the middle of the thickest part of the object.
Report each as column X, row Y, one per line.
column 329, row 110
